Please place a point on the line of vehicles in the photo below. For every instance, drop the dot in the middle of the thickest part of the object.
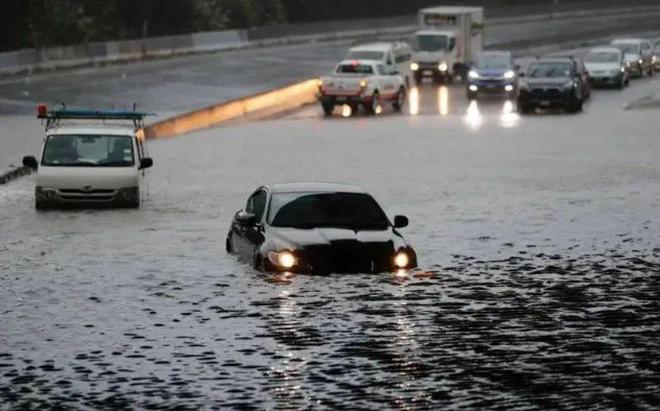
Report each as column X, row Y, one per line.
column 99, row 158
column 449, row 47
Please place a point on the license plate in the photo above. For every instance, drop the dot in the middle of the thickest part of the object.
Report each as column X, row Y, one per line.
column 491, row 86
column 427, row 72
column 544, row 103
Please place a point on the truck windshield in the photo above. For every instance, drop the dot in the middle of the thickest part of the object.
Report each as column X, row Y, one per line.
column 355, row 69
column 603, row 57
column 494, row 62
column 549, row 70
column 316, row 210
column 366, row 55
column 431, row 42
column 88, row 151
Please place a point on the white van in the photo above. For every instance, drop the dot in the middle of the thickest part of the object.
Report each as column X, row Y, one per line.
column 395, row 56
column 90, row 164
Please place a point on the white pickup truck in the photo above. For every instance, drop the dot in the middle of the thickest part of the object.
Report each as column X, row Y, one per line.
column 362, row 83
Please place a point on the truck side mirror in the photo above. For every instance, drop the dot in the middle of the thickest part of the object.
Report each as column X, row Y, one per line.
column 245, row 218
column 146, row 163
column 30, row 162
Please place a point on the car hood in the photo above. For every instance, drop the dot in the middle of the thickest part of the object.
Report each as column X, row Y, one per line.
column 430, row 57
column 109, row 178
column 293, row 238
column 547, row 81
column 602, row 66
column 631, row 57
column 492, row 72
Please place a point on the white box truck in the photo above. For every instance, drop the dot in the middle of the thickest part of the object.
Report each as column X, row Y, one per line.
column 447, row 43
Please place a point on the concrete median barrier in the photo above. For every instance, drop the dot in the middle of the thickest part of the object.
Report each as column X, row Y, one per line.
column 262, row 104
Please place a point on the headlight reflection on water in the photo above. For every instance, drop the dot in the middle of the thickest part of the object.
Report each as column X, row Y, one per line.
column 443, row 101
column 473, row 117
column 413, row 101
column 509, row 117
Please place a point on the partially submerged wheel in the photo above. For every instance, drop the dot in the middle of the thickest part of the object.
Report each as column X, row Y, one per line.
column 372, row 107
column 328, row 108
column 400, row 100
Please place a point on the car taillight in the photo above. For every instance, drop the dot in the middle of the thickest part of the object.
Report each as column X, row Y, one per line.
column 42, row 111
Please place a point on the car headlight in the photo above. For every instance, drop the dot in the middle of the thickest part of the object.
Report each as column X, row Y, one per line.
column 283, row 259
column 401, row 260
column 443, row 66
column 568, row 85
column 364, row 84
column 509, row 74
column 623, row 69
column 640, row 62
column 414, row 66
column 473, row 74
column 45, row 194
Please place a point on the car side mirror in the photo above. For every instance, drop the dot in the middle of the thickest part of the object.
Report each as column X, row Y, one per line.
column 521, row 74
column 400, row 221
column 146, row 163
column 516, row 67
column 245, row 218
column 30, row 162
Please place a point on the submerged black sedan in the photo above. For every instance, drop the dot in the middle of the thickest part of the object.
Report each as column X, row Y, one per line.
column 318, row 228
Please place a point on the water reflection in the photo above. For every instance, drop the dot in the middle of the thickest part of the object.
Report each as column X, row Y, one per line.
column 509, row 117
column 443, row 100
column 473, row 117
column 346, row 111
column 413, row 101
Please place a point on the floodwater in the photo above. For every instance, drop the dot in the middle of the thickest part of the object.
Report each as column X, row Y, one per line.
column 538, row 287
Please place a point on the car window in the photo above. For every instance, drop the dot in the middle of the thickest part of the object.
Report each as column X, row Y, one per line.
column 257, row 204
column 549, row 70
column 494, row 62
column 403, row 58
column 316, row 210
column 603, row 57
column 355, row 69
column 88, row 151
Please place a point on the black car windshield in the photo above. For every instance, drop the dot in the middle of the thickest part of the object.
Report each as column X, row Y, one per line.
column 355, row 69
column 316, row 210
column 628, row 48
column 603, row 57
column 549, row 70
column 88, row 151
column 494, row 62
column 432, row 42
column 366, row 55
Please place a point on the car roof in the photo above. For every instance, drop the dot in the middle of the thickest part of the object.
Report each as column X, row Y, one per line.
column 360, row 61
column 381, row 46
column 450, row 9
column 605, row 49
column 495, row 53
column 627, row 41
column 314, row 187
column 92, row 129
column 431, row 32
column 554, row 60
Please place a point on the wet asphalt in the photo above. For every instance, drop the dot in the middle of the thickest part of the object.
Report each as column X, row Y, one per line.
column 538, row 287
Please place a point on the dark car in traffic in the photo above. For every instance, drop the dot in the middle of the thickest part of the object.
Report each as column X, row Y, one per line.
column 557, row 82
column 494, row 74
column 318, row 228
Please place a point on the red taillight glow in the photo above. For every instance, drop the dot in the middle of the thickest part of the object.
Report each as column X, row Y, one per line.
column 42, row 111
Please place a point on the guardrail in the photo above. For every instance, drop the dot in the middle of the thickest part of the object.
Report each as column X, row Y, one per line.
column 30, row 60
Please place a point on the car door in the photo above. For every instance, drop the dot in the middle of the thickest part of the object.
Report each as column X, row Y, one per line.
column 586, row 81
column 248, row 236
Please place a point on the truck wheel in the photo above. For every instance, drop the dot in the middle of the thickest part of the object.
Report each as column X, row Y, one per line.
column 372, row 108
column 228, row 247
column 400, row 100
column 40, row 205
column 328, row 108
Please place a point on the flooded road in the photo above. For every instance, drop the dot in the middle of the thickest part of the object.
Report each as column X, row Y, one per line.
column 538, row 287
